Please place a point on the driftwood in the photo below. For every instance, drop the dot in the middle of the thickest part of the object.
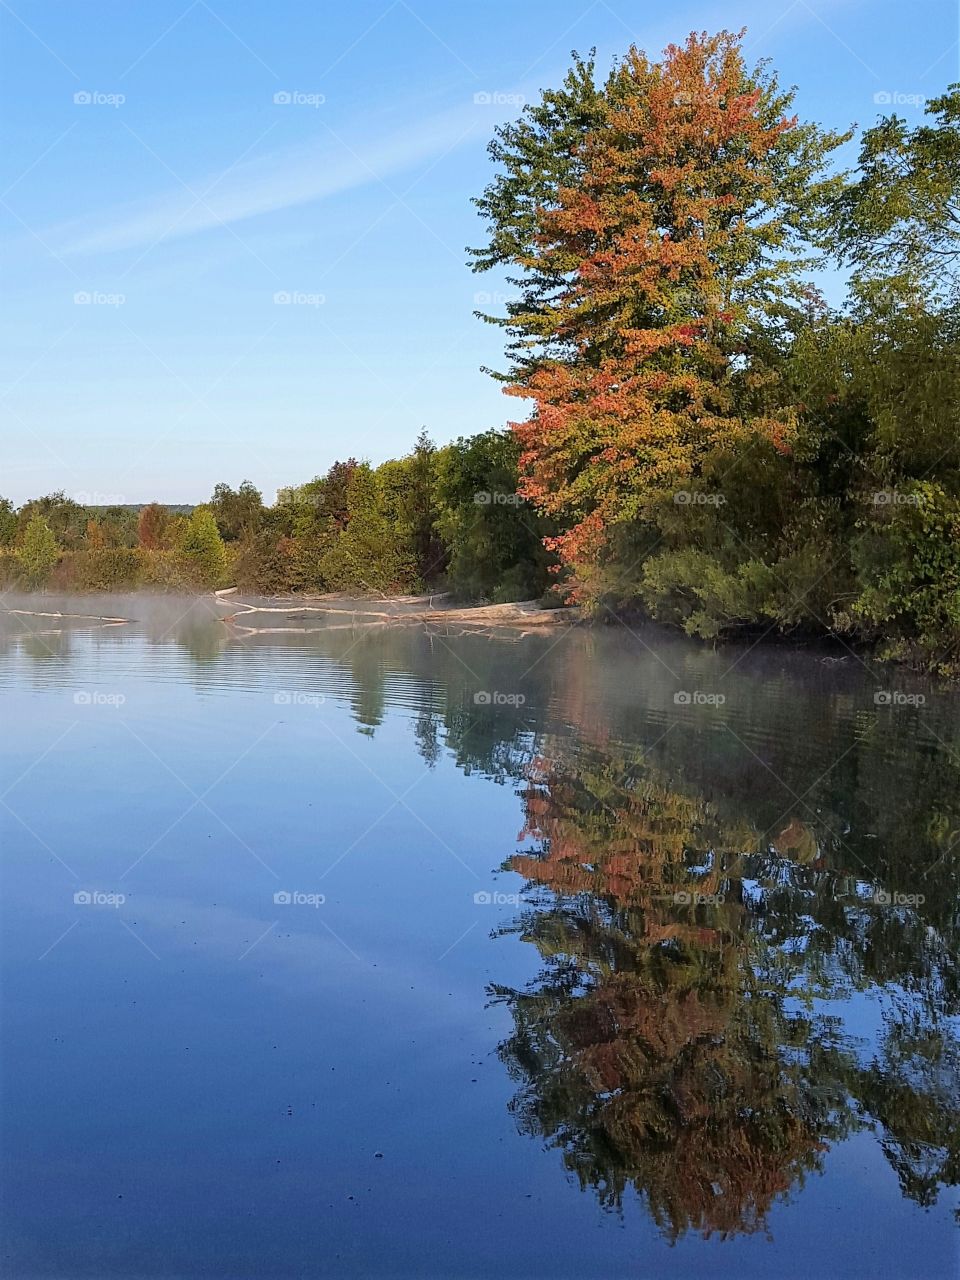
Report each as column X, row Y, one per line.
column 296, row 631
column 496, row 622
column 448, row 633
column 91, row 617
column 265, row 608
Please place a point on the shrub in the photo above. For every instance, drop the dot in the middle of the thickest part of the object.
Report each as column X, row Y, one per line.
column 11, row 569
column 909, row 565
column 103, row 569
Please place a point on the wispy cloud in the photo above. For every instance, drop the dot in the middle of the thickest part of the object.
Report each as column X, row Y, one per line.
column 280, row 180
column 330, row 165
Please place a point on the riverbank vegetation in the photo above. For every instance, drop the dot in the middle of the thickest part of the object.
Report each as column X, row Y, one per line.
column 435, row 518
column 709, row 442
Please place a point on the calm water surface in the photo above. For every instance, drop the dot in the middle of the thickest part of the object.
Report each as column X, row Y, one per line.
column 393, row 954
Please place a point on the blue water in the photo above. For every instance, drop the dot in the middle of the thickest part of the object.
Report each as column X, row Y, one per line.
column 207, row 1070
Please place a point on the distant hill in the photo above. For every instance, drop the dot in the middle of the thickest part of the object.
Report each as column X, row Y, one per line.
column 177, row 508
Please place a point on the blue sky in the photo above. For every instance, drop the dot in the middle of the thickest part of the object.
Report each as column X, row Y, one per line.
column 182, row 162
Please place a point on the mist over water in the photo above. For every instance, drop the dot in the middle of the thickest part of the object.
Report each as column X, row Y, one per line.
column 333, row 949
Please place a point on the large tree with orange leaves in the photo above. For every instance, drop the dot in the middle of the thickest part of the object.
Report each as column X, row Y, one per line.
column 660, row 262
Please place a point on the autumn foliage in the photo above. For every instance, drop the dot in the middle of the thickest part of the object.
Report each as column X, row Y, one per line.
column 648, row 275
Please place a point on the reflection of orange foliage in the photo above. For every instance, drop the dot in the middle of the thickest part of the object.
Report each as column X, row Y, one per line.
column 662, row 1028
column 601, row 836
column 662, row 1067
column 798, row 840
column 660, row 1048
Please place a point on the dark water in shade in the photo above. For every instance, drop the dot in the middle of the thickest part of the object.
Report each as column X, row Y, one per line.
column 702, row 1020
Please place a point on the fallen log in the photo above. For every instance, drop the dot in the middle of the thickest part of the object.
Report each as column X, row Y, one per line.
column 91, row 617
column 525, row 614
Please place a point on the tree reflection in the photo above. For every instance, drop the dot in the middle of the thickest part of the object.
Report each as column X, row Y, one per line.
column 678, row 1039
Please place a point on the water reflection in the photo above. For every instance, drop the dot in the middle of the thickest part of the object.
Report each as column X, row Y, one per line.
column 685, row 1036
column 744, row 915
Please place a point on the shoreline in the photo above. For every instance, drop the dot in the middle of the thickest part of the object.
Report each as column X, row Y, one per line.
column 336, row 610
column 253, row 614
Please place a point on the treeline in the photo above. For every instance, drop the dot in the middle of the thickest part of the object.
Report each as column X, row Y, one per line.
column 439, row 518
column 710, row 443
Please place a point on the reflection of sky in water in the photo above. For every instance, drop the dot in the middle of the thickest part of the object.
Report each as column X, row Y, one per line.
column 201, row 1077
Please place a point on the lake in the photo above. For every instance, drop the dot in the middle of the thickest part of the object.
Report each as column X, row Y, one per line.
column 397, row 952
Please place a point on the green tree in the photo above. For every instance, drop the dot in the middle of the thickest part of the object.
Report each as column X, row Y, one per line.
column 368, row 553
column 900, row 220
column 323, row 501
column 409, row 487
column 8, row 522
column 537, row 156
column 120, row 524
column 37, row 551
column 879, row 460
column 494, row 537
column 66, row 518
column 238, row 512
column 203, row 548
